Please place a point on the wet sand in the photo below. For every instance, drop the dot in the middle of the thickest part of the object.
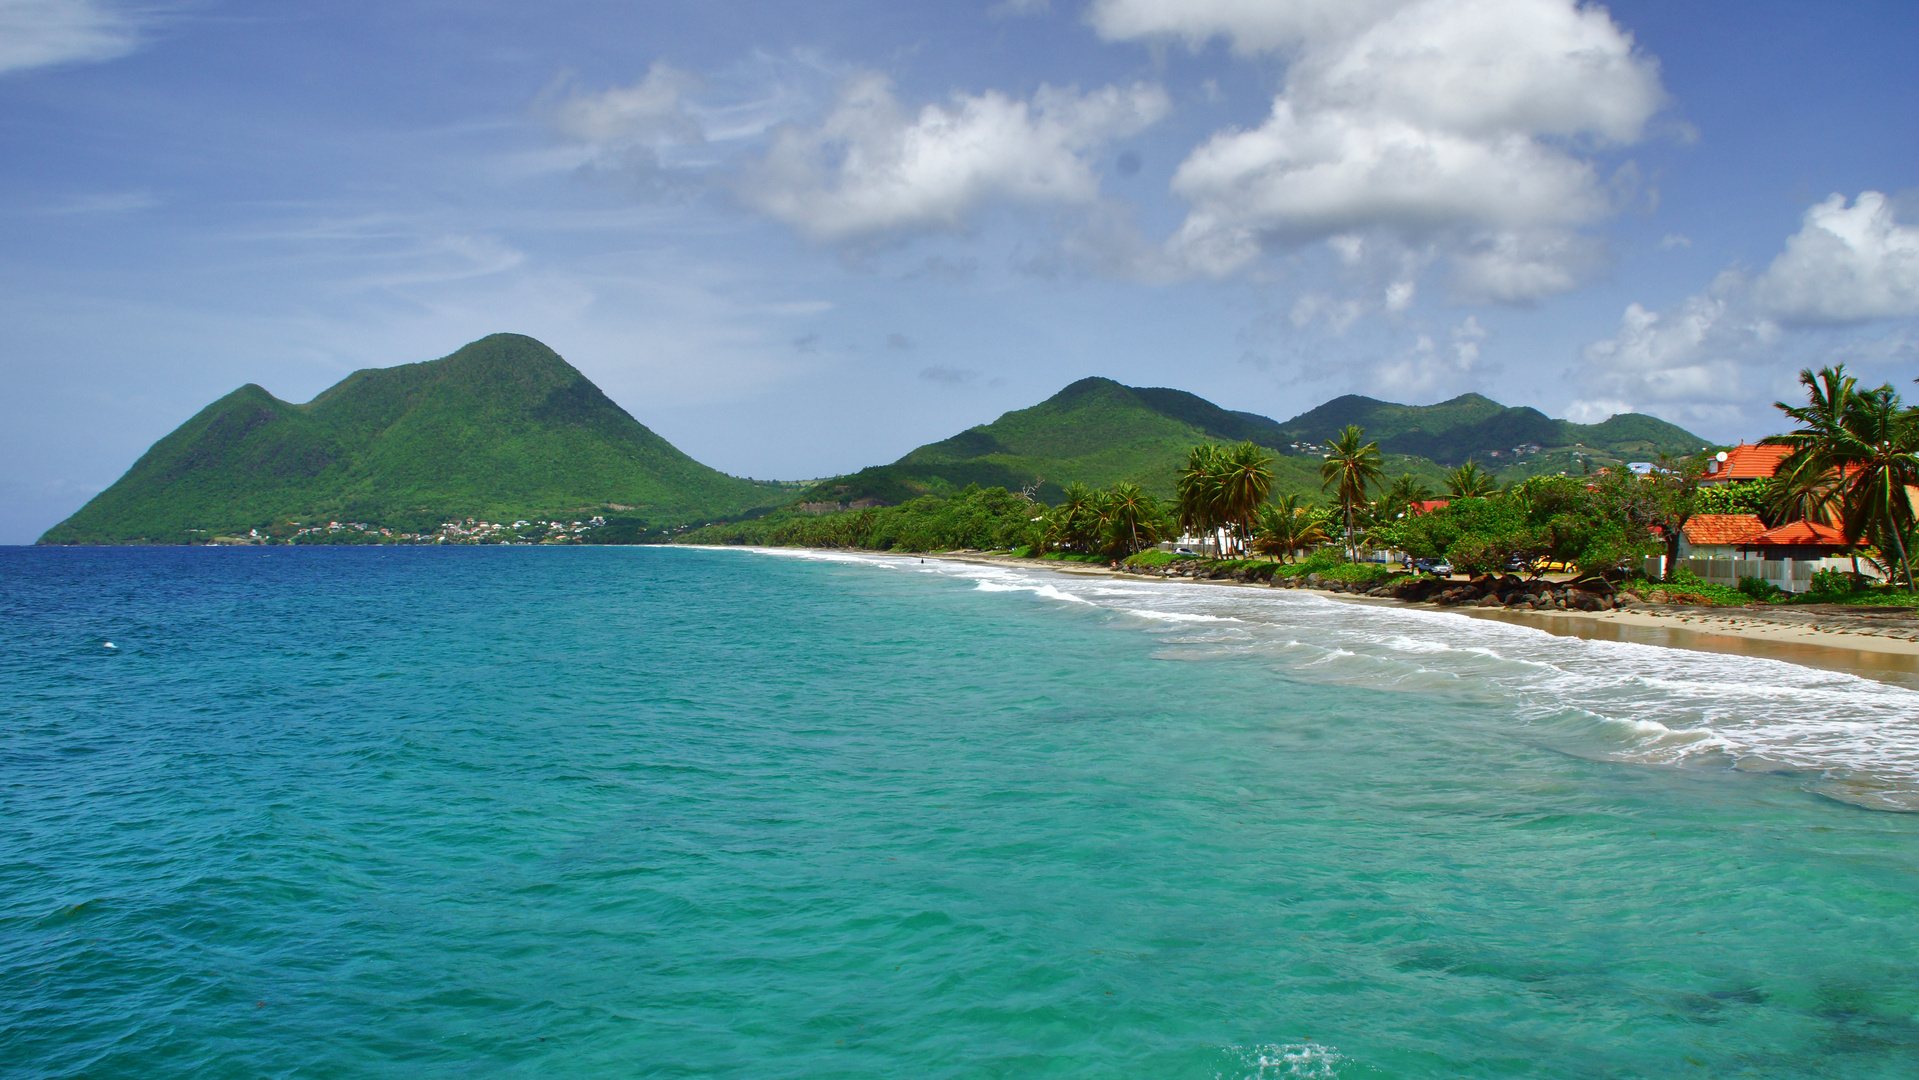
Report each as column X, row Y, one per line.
column 1862, row 642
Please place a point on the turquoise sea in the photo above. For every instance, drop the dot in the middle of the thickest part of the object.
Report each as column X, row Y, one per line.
column 515, row 812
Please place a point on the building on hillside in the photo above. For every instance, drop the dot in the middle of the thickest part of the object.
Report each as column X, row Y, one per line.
column 1427, row 506
column 1745, row 462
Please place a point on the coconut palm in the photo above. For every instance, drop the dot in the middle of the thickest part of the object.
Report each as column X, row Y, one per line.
column 1134, row 518
column 1285, row 526
column 1351, row 466
column 1244, row 479
column 1199, row 489
column 1405, row 491
column 1074, row 522
column 1867, row 443
column 1469, row 481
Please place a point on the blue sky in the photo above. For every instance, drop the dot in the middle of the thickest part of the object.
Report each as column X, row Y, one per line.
column 800, row 239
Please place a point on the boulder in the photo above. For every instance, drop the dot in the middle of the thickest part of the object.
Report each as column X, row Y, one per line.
column 1489, row 600
column 1658, row 596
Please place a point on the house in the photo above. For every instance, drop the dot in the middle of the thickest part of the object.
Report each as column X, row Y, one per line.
column 1797, row 540
column 1719, row 536
column 1745, row 462
column 1426, row 507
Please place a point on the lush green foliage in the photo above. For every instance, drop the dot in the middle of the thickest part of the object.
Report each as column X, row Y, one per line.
column 982, row 518
column 1857, row 452
column 1101, row 433
column 1331, row 563
column 1474, row 427
column 501, row 430
column 1593, row 525
column 1756, row 497
column 1350, row 468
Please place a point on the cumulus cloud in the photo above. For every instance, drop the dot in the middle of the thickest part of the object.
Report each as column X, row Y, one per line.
column 41, row 33
column 1431, row 368
column 874, row 167
column 1714, row 352
column 1461, row 124
column 1845, row 264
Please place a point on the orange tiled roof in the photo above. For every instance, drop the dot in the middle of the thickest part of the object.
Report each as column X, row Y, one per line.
column 1799, row 534
column 1428, row 506
column 1723, row 528
column 1747, row 462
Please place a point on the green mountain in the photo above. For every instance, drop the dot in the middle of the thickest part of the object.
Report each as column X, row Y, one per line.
column 1100, row 432
column 502, row 428
column 1471, row 426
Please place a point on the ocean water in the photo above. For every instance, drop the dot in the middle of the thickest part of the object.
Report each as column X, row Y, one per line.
column 657, row 813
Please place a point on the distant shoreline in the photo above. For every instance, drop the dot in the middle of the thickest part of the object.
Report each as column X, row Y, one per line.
column 1828, row 642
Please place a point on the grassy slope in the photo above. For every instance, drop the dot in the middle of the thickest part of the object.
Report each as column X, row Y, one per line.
column 1100, row 432
column 1472, row 426
column 504, row 427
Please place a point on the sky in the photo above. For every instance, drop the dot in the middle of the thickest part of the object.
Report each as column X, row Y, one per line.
column 799, row 239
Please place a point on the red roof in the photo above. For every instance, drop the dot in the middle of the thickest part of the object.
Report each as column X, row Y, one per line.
column 1746, row 462
column 1799, row 534
column 1723, row 529
column 1428, row 506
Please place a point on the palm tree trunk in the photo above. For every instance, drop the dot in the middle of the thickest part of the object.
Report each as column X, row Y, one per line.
column 1900, row 541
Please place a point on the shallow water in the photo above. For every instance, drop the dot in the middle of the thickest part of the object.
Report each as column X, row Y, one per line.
column 650, row 812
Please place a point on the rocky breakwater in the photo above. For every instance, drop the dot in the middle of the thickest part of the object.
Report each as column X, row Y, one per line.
column 1507, row 591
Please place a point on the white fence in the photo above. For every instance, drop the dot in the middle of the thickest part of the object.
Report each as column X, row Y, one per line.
column 1790, row 575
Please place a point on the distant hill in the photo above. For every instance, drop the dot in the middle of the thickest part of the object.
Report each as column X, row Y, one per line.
column 503, row 427
column 1100, row 432
column 1471, row 426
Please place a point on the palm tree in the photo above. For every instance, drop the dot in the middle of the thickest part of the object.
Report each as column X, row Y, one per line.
column 1286, row 526
column 1198, row 487
column 1351, row 466
column 1074, row 518
column 1406, row 491
column 1244, row 480
column 1469, row 481
column 1133, row 517
column 1883, row 450
column 1869, row 443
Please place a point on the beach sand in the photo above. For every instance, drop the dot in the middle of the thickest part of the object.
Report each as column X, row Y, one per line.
column 1877, row 646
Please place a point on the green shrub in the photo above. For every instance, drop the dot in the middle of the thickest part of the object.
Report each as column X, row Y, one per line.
column 1758, row 588
column 1833, row 582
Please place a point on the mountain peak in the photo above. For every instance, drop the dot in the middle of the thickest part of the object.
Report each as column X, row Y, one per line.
column 501, row 426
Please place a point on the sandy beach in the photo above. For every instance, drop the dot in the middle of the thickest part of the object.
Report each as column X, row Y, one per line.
column 1866, row 642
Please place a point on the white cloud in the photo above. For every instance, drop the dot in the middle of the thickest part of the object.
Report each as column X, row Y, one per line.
column 1455, row 123
column 870, row 167
column 1723, row 349
column 651, row 110
column 1429, row 369
column 1844, row 265
column 40, row 33
column 1251, row 25
column 1520, row 266
column 1684, row 363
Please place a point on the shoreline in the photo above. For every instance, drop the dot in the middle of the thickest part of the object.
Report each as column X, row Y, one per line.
column 1816, row 639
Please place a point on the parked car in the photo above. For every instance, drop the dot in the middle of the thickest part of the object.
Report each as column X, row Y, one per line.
column 1433, row 566
column 1184, row 551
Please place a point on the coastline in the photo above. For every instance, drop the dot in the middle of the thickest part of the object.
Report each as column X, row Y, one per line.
column 1831, row 641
